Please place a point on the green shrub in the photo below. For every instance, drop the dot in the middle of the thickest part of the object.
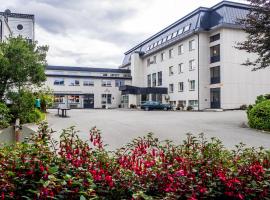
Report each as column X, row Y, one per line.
column 34, row 116
column 259, row 115
column 262, row 98
column 5, row 116
column 189, row 108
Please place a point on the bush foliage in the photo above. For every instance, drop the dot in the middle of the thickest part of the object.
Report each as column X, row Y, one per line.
column 5, row 116
column 143, row 169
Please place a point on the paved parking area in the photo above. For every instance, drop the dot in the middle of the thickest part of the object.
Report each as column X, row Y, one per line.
column 121, row 126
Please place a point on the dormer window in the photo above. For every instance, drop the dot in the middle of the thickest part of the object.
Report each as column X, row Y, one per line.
column 174, row 34
column 180, row 31
column 169, row 37
column 186, row 28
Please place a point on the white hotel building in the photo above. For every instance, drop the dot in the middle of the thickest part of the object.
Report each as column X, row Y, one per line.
column 193, row 62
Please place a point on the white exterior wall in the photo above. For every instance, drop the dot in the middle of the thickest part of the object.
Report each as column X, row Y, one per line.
column 28, row 27
column 240, row 85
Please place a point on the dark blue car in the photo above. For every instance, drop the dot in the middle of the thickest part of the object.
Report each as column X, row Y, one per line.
column 154, row 105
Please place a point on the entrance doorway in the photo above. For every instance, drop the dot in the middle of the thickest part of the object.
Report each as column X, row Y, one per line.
column 88, row 101
column 215, row 97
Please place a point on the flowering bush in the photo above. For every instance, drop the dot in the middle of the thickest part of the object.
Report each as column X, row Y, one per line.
column 143, row 169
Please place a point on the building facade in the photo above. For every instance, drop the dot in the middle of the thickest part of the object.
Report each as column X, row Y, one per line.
column 194, row 62
column 83, row 87
column 15, row 24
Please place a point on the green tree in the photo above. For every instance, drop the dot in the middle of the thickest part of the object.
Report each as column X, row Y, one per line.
column 257, row 25
column 22, row 64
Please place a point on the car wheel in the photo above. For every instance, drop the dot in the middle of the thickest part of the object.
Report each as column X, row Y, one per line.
column 165, row 108
column 146, row 109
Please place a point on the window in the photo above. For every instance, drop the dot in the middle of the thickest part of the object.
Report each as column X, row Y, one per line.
column 191, row 45
column 106, row 99
column 191, row 65
column 169, row 37
column 215, row 75
column 159, row 78
column 161, row 56
column 74, row 83
column 164, row 40
column 180, row 86
column 186, row 28
column 159, row 42
column 180, row 31
column 74, row 99
column 180, row 68
column 215, row 54
column 215, row 37
column 115, row 75
column 193, row 103
column 59, row 82
column 174, row 34
column 148, row 62
column 119, row 83
column 171, row 71
column 180, row 49
column 155, row 59
column 149, row 80
column 154, row 80
column 170, row 53
column 104, row 74
column 171, row 88
column 88, row 83
column 106, row 83
column 59, row 98
column 192, row 85
column 155, row 44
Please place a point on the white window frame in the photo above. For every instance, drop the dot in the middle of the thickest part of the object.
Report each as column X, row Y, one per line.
column 191, row 45
column 192, row 85
column 181, row 87
column 171, row 88
column 180, row 49
column 171, row 53
column 191, row 64
column 171, row 71
column 180, row 68
column 106, row 83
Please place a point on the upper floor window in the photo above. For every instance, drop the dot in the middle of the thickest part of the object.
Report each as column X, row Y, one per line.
column 169, row 37
column 191, row 45
column 148, row 62
column 162, row 56
column 215, row 75
column 174, row 34
column 74, row 83
column 192, row 85
column 149, row 80
column 171, row 88
column 119, row 83
column 88, row 83
column 191, row 65
column 215, row 37
column 59, row 82
column 115, row 75
column 170, row 70
column 154, row 80
column 215, row 53
column 186, row 28
column 180, row 49
column 155, row 59
column 170, row 53
column 106, row 83
column 180, row 68
column 104, row 74
column 180, row 86
column 159, row 78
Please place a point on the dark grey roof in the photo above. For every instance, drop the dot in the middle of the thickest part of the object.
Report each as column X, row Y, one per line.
column 17, row 15
column 224, row 13
column 86, row 69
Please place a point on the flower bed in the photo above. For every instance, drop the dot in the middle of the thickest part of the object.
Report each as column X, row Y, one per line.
column 143, row 169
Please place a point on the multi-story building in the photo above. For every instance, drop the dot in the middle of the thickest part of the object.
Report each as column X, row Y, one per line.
column 194, row 62
column 83, row 87
column 15, row 24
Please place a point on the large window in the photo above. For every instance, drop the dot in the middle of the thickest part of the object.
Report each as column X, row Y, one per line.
column 106, row 83
column 159, row 78
column 59, row 82
column 191, row 65
column 106, row 99
column 215, row 54
column 170, row 53
column 215, row 75
column 149, row 80
column 180, row 68
column 214, row 38
column 193, row 103
column 191, row 45
column 88, row 83
column 180, row 86
column 74, row 83
column 192, row 85
column 154, row 80
column 59, row 98
column 170, row 70
column 180, row 49
column 171, row 88
column 119, row 83
column 74, row 99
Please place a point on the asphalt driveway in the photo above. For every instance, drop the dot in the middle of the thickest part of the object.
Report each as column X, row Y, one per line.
column 121, row 126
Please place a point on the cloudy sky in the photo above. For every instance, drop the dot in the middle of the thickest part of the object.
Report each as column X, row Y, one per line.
column 96, row 33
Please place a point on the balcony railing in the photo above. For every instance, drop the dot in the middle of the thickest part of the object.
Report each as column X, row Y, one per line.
column 215, row 80
column 214, row 59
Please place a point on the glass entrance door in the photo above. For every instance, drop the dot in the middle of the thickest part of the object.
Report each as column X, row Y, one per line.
column 88, row 101
column 215, row 97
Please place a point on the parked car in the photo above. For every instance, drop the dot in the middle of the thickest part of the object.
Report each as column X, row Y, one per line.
column 154, row 105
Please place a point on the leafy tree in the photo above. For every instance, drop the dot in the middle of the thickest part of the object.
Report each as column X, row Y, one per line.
column 257, row 25
column 22, row 64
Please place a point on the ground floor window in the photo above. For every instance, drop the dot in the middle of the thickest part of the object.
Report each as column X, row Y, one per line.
column 193, row 103
column 144, row 98
column 154, row 97
column 182, row 103
column 173, row 103
column 106, row 99
column 74, row 99
column 59, row 98
column 159, row 98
